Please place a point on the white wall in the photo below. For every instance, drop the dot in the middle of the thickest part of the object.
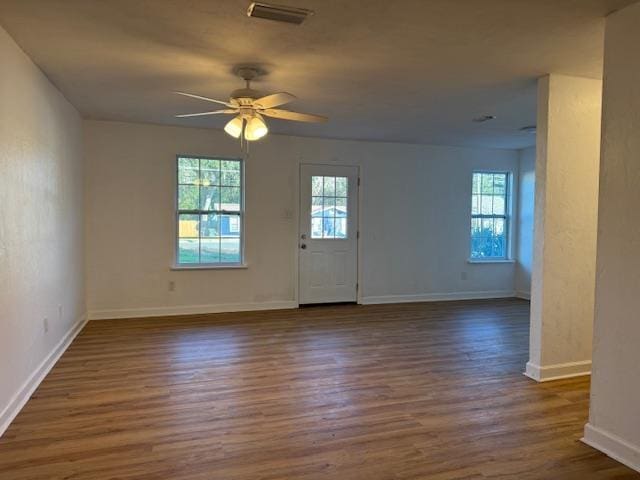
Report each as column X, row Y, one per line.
column 614, row 420
column 566, row 205
column 415, row 220
column 41, row 215
column 526, row 198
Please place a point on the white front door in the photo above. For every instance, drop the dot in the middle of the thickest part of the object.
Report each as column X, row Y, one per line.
column 328, row 234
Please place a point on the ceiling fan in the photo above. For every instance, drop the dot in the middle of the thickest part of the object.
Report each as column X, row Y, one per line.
column 250, row 107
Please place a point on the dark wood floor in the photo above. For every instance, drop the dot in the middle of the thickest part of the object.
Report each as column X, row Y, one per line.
column 415, row 391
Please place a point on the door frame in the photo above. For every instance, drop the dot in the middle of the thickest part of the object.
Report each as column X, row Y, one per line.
column 296, row 244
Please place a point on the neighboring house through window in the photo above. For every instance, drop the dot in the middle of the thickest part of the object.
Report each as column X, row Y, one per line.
column 209, row 211
column 490, row 216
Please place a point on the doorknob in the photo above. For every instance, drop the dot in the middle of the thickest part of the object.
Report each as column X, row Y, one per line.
column 303, row 246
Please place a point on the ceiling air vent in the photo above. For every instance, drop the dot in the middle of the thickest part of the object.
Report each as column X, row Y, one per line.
column 278, row 13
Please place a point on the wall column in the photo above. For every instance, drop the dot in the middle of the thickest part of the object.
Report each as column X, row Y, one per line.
column 565, row 226
column 614, row 419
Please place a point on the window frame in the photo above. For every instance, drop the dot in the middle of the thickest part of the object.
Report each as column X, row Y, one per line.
column 507, row 258
column 177, row 212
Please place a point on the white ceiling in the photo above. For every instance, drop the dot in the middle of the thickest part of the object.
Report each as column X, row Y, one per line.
column 406, row 70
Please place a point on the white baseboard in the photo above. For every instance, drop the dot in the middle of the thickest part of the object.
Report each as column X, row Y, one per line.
column 281, row 305
column 524, row 295
column 20, row 398
column 558, row 371
column 613, row 446
column 437, row 297
column 189, row 310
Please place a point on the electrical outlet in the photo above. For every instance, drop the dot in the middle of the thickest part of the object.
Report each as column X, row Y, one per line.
column 59, row 312
column 463, row 275
column 172, row 286
column 45, row 324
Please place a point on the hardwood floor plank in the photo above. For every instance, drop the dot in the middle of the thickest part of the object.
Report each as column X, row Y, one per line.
column 412, row 391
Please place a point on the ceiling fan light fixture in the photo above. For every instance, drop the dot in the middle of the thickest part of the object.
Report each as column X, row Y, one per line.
column 234, row 127
column 249, row 108
column 256, row 128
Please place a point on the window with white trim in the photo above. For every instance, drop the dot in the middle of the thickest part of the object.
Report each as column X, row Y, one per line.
column 209, row 211
column 490, row 216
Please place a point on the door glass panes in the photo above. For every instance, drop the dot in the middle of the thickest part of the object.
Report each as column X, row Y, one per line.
column 209, row 211
column 489, row 218
column 329, row 207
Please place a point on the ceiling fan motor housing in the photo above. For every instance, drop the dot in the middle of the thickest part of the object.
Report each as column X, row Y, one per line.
column 244, row 96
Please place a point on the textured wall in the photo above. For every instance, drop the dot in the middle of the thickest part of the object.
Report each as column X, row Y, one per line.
column 614, row 421
column 566, row 199
column 41, row 215
column 415, row 219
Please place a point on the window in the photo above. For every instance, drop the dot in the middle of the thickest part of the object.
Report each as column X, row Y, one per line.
column 490, row 216
column 210, row 210
column 329, row 207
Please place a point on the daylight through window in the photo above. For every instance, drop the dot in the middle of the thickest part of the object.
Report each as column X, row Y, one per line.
column 489, row 216
column 210, row 210
column 329, row 207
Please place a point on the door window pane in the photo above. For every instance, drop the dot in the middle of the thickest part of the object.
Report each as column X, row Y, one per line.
column 327, row 228
column 316, row 206
column 341, row 207
column 329, row 207
column 341, row 228
column 316, row 228
column 317, row 186
column 329, row 186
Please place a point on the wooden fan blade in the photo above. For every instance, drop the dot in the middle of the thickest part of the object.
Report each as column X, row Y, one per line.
column 206, row 99
column 214, row 112
column 288, row 115
column 274, row 100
